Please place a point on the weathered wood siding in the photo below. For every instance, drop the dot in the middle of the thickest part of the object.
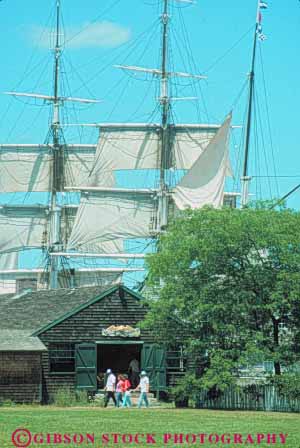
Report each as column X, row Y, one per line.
column 86, row 326
column 20, row 377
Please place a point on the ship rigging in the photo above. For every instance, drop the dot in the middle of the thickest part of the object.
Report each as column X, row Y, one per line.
column 109, row 215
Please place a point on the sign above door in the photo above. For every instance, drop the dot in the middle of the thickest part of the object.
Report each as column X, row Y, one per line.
column 125, row 331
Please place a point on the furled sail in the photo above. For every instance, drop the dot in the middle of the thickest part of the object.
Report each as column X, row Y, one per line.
column 20, row 232
column 107, row 216
column 136, row 147
column 204, row 182
column 28, row 167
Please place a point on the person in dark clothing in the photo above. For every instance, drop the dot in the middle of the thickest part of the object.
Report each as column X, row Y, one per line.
column 101, row 380
column 134, row 370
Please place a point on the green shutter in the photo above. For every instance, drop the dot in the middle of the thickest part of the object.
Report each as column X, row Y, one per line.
column 160, row 367
column 154, row 363
column 86, row 366
column 147, row 363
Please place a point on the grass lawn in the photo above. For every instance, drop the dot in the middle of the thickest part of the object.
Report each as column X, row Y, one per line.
column 155, row 421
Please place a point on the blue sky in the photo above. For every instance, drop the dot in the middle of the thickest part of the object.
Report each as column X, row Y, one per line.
column 99, row 34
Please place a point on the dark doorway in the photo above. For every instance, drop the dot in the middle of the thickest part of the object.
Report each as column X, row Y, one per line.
column 117, row 357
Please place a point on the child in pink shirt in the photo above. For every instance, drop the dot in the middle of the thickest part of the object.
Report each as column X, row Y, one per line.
column 126, row 396
column 120, row 390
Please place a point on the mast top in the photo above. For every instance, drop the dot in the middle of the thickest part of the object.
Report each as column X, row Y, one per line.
column 245, row 179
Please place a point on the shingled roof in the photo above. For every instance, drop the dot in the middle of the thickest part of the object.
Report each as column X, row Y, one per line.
column 20, row 340
column 33, row 310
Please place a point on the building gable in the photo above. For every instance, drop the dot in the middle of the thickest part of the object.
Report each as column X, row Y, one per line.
column 119, row 291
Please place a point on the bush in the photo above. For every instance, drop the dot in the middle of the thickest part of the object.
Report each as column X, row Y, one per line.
column 7, row 403
column 187, row 389
column 65, row 397
column 219, row 375
column 288, row 385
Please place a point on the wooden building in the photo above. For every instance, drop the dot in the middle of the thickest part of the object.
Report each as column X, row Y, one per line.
column 63, row 338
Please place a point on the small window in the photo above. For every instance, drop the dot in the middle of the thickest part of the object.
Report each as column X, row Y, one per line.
column 61, row 358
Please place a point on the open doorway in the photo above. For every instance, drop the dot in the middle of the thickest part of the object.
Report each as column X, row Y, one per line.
column 116, row 357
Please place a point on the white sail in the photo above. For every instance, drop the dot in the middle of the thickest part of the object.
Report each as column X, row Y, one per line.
column 204, row 182
column 104, row 222
column 9, row 261
column 29, row 167
column 25, row 168
column 124, row 148
column 68, row 218
column 136, row 147
column 79, row 161
column 188, row 142
column 107, row 217
column 20, row 232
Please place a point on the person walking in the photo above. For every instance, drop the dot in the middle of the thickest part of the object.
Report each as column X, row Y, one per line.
column 126, row 396
column 110, row 388
column 120, row 390
column 144, row 388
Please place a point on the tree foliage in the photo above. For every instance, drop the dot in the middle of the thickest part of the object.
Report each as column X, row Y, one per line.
column 288, row 385
column 227, row 284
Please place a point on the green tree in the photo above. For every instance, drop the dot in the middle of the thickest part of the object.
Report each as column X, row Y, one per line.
column 226, row 283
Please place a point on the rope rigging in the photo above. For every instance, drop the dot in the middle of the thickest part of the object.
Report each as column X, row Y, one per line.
column 122, row 90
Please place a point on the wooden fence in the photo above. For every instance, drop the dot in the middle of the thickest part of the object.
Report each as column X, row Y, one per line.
column 256, row 398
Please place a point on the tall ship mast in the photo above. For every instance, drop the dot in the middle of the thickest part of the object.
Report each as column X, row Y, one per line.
column 258, row 34
column 58, row 160
column 107, row 216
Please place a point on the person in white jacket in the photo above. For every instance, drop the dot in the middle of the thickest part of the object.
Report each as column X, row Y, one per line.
column 144, row 388
column 110, row 388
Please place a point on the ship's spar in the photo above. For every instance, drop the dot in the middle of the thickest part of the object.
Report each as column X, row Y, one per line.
column 162, row 212
column 128, row 213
